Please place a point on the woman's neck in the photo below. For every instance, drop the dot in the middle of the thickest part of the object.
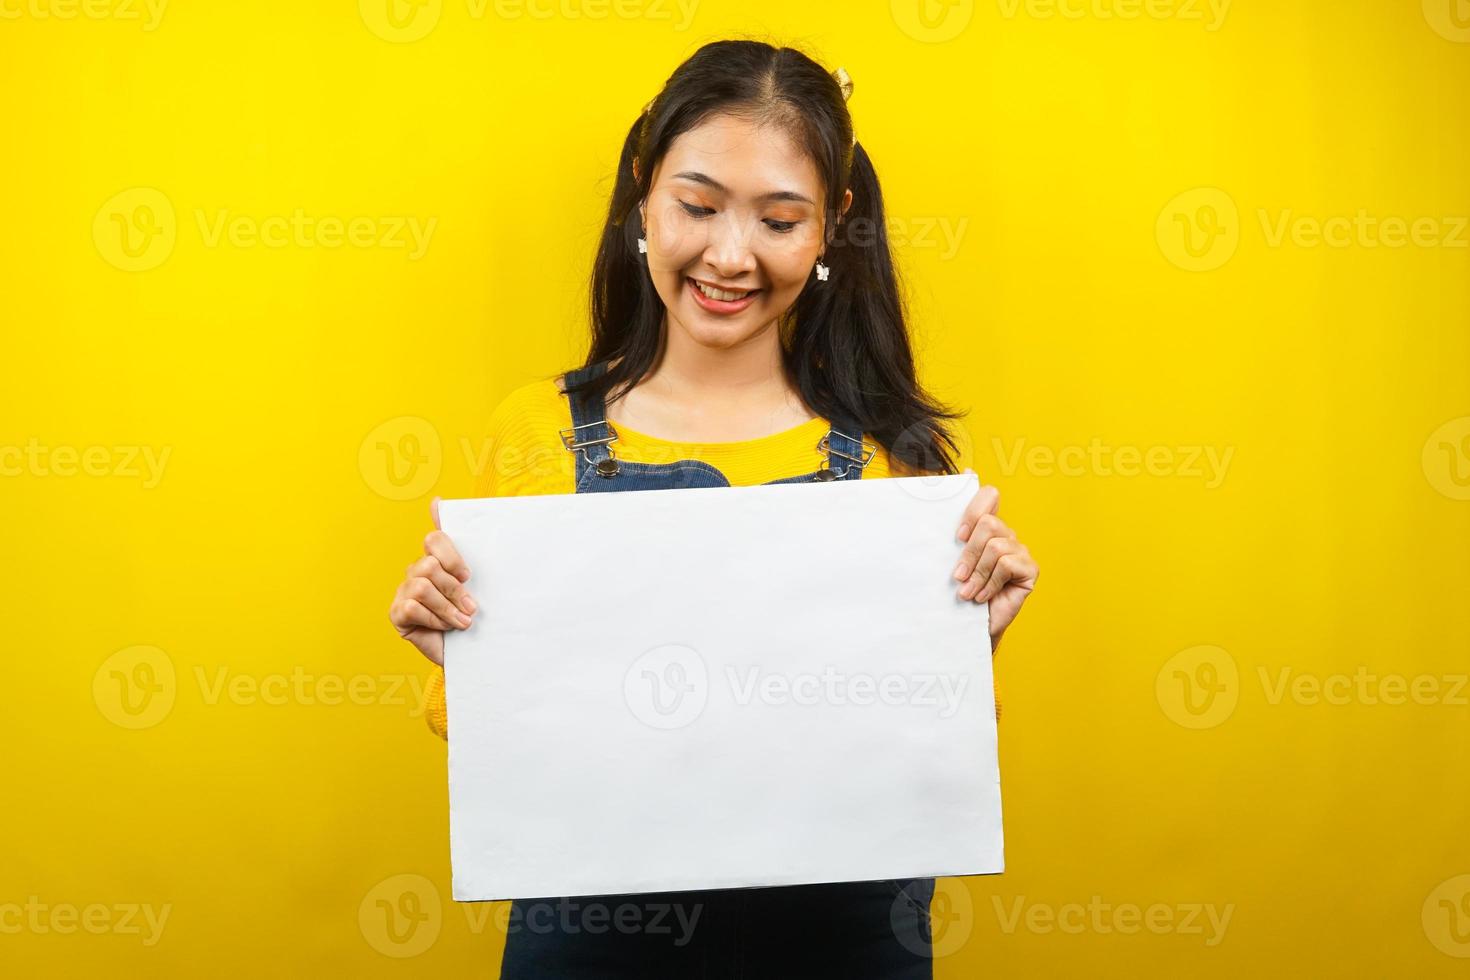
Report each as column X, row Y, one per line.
column 695, row 393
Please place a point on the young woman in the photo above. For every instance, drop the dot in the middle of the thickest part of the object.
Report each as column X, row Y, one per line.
column 747, row 328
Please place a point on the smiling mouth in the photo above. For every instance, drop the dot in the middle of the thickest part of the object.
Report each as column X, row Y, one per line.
column 721, row 295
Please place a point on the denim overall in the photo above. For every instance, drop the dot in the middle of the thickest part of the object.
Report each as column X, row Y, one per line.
column 877, row 929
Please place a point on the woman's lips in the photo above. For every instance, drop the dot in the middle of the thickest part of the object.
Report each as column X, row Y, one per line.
column 717, row 305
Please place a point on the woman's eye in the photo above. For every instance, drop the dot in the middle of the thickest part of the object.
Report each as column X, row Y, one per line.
column 780, row 227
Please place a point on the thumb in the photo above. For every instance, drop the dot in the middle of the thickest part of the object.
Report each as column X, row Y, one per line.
column 434, row 513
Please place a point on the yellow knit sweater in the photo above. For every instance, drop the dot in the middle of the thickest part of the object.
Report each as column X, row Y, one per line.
column 525, row 457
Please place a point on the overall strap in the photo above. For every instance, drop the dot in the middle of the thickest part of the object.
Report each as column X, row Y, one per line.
column 590, row 432
column 847, row 455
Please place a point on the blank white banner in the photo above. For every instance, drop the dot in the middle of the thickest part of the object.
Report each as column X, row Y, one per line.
column 717, row 688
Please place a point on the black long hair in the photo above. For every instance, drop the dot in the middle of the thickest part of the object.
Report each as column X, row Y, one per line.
column 844, row 343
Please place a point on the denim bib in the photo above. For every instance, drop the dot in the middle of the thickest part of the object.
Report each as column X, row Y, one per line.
column 866, row 929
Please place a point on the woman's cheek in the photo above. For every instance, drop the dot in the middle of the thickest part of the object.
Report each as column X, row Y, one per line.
column 678, row 235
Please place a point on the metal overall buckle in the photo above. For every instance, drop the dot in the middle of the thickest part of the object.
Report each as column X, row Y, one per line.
column 604, row 467
column 825, row 474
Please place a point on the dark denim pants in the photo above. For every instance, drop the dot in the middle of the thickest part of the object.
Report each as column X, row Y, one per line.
column 853, row 930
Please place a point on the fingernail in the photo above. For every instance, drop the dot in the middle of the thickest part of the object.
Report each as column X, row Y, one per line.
column 961, row 572
column 464, row 621
column 964, row 532
column 469, row 603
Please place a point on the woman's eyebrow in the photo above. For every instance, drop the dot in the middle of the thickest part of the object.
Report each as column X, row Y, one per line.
column 710, row 182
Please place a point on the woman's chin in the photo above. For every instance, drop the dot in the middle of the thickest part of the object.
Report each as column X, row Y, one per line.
column 718, row 332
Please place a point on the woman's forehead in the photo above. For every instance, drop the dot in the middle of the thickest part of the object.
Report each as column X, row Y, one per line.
column 746, row 158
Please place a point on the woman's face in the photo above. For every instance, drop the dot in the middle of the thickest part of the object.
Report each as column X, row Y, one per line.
column 736, row 205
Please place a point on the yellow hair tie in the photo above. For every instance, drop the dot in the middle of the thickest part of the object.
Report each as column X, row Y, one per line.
column 844, row 82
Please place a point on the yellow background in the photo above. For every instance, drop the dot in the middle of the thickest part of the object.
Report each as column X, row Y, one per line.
column 1066, row 150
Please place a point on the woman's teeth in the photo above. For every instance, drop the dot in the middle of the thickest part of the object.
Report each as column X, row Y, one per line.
column 723, row 295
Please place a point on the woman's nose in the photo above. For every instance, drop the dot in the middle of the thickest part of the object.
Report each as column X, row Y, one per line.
column 729, row 249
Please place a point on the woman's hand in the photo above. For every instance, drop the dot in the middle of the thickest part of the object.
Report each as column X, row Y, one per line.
column 432, row 598
column 994, row 566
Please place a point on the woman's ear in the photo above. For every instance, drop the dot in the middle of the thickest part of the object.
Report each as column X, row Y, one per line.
column 830, row 233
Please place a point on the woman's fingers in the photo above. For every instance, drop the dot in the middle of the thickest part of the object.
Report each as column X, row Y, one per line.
column 1012, row 564
column 985, row 501
column 986, row 528
column 438, row 545
column 994, row 566
column 452, row 588
column 428, row 595
column 412, row 612
column 996, row 547
column 432, row 598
